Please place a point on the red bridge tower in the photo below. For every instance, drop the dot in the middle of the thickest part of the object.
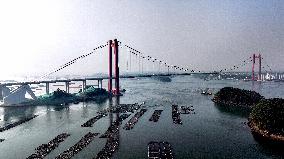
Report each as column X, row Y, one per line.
column 259, row 65
column 113, row 44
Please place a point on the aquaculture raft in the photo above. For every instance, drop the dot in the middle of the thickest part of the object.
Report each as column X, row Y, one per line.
column 79, row 146
column 45, row 149
column 176, row 115
column 91, row 122
column 9, row 126
column 112, row 135
column 130, row 124
column 156, row 115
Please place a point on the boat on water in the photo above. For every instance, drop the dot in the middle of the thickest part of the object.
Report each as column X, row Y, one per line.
column 246, row 80
column 206, row 92
column 157, row 150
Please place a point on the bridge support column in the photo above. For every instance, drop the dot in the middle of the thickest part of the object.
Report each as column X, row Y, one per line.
column 1, row 93
column 117, row 92
column 84, row 85
column 47, row 88
column 67, row 86
column 259, row 65
column 110, row 66
column 253, row 62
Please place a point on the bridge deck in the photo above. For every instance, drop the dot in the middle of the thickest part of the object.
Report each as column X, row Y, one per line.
column 96, row 78
column 52, row 81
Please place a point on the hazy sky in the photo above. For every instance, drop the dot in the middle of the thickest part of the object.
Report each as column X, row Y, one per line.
column 39, row 35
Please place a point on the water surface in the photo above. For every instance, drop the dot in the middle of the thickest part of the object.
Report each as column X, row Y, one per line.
column 209, row 133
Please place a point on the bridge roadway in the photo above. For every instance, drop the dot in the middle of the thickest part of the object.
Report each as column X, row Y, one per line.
column 96, row 79
column 47, row 82
column 84, row 80
column 52, row 81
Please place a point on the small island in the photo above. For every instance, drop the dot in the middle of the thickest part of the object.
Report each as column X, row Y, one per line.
column 266, row 116
column 267, row 120
column 62, row 98
column 229, row 96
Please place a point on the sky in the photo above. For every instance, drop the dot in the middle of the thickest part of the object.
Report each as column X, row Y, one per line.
column 37, row 36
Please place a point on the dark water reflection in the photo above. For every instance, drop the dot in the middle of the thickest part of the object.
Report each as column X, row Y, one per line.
column 213, row 132
column 13, row 114
column 238, row 111
column 273, row 149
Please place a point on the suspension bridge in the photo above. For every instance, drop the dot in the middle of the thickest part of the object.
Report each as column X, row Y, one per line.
column 135, row 57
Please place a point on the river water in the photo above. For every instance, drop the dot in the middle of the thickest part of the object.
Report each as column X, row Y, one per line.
column 209, row 133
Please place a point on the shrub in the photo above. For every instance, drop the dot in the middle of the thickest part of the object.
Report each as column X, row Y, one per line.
column 269, row 115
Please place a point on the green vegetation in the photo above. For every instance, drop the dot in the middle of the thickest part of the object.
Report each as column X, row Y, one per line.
column 60, row 97
column 237, row 97
column 268, row 115
column 92, row 93
column 266, row 118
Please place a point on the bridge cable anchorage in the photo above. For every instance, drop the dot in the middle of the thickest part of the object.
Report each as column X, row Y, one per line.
column 71, row 62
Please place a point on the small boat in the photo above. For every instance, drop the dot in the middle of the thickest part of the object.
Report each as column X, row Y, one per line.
column 206, row 92
column 63, row 104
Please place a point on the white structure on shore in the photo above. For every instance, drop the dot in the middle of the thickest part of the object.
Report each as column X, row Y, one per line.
column 16, row 96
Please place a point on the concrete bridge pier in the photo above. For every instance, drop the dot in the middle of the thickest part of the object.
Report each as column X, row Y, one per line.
column 47, row 87
column 101, row 84
column 67, row 83
column 1, row 93
column 110, row 67
column 84, row 85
